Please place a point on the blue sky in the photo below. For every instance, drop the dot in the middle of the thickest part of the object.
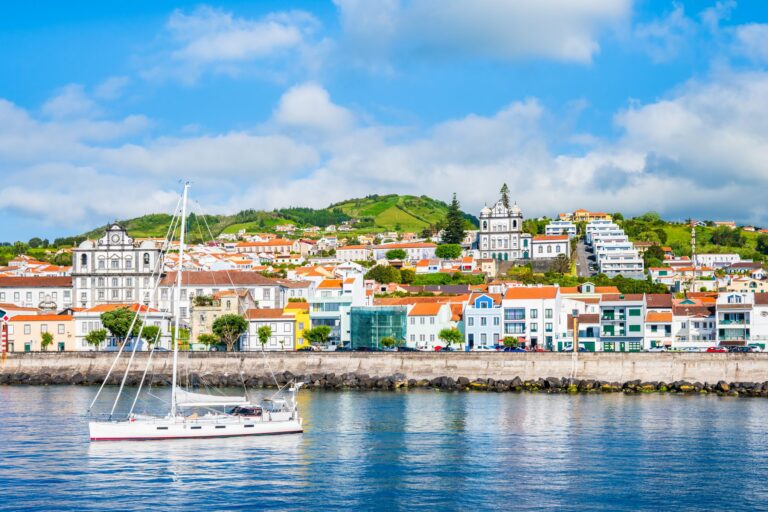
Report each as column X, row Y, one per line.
column 604, row 104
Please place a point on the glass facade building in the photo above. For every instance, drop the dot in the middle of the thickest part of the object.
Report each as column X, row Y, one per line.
column 370, row 324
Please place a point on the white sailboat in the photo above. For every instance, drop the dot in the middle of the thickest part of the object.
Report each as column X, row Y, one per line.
column 194, row 415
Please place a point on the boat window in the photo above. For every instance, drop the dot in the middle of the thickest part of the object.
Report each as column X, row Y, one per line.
column 221, row 426
column 248, row 426
column 162, row 428
column 196, row 428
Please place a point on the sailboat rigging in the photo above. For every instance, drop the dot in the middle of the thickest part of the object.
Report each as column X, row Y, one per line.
column 193, row 414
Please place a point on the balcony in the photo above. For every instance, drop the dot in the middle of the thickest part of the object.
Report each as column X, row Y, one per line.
column 734, row 321
column 609, row 334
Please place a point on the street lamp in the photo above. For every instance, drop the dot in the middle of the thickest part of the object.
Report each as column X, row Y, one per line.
column 575, row 330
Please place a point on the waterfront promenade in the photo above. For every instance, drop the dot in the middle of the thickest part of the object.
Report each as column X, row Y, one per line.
column 607, row 367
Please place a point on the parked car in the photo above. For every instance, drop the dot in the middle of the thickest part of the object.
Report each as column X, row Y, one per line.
column 513, row 349
column 406, row 349
column 717, row 349
column 483, row 348
column 657, row 349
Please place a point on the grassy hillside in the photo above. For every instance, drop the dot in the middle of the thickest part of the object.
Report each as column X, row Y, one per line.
column 410, row 213
column 376, row 213
column 709, row 239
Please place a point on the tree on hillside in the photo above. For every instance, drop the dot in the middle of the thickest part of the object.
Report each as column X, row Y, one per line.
column 407, row 276
column 617, row 217
column 96, row 338
column 505, row 195
column 318, row 335
column 762, row 244
column 728, row 237
column 451, row 336
column 395, row 254
column 454, row 223
column 118, row 322
column 384, row 274
column 35, row 242
column 448, row 251
column 264, row 333
column 653, row 256
column 46, row 339
column 229, row 328
column 661, row 234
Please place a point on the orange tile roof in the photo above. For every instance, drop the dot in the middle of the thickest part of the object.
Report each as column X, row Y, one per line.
column 407, row 245
column 356, row 247
column 456, row 311
column 550, row 238
column 41, row 318
column 330, row 283
column 36, row 282
column 111, row 307
column 656, row 317
column 303, row 306
column 531, row 292
column 607, row 289
column 425, row 309
column 267, row 313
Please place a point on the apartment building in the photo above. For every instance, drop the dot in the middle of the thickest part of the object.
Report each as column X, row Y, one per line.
column 25, row 333
column 48, row 293
column 483, row 326
column 532, row 314
column 425, row 321
column 622, row 322
column 282, row 325
column 561, row 227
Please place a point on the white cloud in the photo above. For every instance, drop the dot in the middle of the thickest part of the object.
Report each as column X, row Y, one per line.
column 111, row 88
column 698, row 152
column 664, row 38
column 712, row 16
column 556, row 29
column 751, row 40
column 70, row 101
column 309, row 106
column 217, row 41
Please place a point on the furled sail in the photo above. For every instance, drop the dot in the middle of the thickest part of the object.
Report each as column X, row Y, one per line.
column 189, row 399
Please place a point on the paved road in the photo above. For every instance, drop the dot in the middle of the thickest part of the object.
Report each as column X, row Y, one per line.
column 582, row 261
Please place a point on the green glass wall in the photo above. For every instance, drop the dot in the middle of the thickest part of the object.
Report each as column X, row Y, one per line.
column 369, row 324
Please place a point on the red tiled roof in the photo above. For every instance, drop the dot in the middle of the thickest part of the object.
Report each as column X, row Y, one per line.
column 330, row 283
column 141, row 308
column 656, row 317
column 425, row 309
column 41, row 318
column 267, row 313
column 531, row 292
column 218, row 278
column 550, row 238
column 407, row 245
column 36, row 282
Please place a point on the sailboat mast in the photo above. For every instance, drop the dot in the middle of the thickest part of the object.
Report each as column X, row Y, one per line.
column 177, row 299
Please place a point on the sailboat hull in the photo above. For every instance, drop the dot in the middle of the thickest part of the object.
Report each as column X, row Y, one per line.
column 161, row 428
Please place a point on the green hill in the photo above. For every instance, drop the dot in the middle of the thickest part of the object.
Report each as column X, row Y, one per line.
column 373, row 213
column 409, row 213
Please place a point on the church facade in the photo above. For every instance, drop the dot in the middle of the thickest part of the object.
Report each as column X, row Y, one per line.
column 501, row 235
column 115, row 269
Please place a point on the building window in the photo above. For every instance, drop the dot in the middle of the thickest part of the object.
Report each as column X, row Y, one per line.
column 115, row 282
column 470, row 321
column 547, row 313
column 413, row 320
column 413, row 337
column 432, row 337
column 2, row 296
column 83, row 261
column 634, row 328
column 128, row 281
column 114, row 263
column 534, row 313
column 102, row 264
column 483, row 321
column 27, row 329
column 634, row 312
column 548, row 327
column 534, row 327
column 115, row 294
column 431, row 320
column 495, row 320
column 183, row 312
column 128, row 263
column 266, row 294
column 44, row 328
column 483, row 338
column 101, row 295
column 146, row 259
column 422, row 320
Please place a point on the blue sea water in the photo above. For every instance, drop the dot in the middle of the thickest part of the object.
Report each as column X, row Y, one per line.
column 418, row 450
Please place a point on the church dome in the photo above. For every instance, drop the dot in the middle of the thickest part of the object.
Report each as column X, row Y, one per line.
column 515, row 210
column 485, row 211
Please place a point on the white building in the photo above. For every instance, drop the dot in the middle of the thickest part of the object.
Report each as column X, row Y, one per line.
column 90, row 320
column 354, row 253
column 115, row 269
column 414, row 251
column 532, row 314
column 627, row 264
column 425, row 321
column 717, row 260
column 282, row 325
column 561, row 227
column 550, row 246
column 483, row 321
column 51, row 293
column 501, row 234
column 693, row 324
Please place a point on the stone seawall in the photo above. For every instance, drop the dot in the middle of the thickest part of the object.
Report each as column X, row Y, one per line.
column 607, row 367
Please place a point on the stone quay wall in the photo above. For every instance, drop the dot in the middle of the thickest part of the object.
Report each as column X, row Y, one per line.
column 473, row 366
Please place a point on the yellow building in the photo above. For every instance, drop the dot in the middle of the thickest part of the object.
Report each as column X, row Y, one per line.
column 582, row 215
column 25, row 333
column 301, row 313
